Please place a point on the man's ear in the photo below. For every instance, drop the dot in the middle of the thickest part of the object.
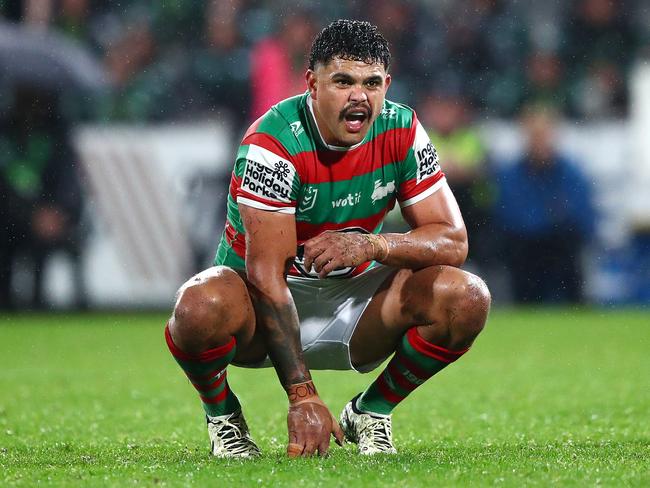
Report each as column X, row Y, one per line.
column 310, row 78
column 387, row 81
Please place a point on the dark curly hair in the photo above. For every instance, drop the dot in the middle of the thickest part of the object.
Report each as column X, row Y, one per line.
column 354, row 40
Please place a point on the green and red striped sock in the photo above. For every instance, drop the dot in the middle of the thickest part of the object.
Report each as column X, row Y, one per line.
column 207, row 372
column 414, row 362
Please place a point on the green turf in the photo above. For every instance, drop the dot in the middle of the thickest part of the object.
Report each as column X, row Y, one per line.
column 546, row 397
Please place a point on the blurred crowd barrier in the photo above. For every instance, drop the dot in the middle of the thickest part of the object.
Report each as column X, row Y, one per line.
column 119, row 122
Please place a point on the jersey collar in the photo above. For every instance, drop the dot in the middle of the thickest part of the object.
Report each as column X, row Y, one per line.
column 320, row 136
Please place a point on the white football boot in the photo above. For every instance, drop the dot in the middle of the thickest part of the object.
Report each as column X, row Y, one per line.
column 229, row 437
column 371, row 432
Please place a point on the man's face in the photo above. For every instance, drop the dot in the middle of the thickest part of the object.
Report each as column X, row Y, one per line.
column 347, row 98
column 540, row 130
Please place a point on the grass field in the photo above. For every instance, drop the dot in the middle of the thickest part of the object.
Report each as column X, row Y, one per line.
column 546, row 397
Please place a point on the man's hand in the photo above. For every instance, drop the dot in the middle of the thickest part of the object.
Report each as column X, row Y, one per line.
column 310, row 426
column 309, row 422
column 331, row 250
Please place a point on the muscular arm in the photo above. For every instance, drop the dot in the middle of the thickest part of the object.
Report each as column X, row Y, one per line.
column 438, row 236
column 270, row 249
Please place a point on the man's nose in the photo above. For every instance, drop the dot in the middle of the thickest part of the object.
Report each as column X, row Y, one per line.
column 358, row 95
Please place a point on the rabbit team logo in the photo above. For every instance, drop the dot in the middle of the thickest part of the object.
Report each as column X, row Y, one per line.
column 382, row 191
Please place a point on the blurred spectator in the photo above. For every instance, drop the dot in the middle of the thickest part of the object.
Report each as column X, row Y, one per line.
column 38, row 13
column 130, row 52
column 599, row 45
column 544, row 208
column 128, row 60
column 482, row 50
column 11, row 10
column 278, row 63
column 396, row 22
column 544, row 79
column 541, row 81
column 498, row 52
column 72, row 18
column 219, row 69
column 39, row 188
column 447, row 117
column 176, row 23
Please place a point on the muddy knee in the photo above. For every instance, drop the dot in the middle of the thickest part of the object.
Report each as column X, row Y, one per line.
column 467, row 307
column 449, row 304
column 211, row 307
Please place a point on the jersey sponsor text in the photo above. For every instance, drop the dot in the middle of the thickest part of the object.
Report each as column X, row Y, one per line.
column 426, row 155
column 267, row 175
column 266, row 182
column 427, row 162
column 350, row 201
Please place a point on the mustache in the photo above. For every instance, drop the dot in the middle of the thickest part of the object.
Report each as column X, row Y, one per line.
column 349, row 108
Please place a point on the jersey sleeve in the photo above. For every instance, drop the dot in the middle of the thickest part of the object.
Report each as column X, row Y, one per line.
column 420, row 171
column 266, row 175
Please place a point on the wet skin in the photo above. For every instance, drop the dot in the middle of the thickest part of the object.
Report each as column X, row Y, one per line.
column 449, row 306
column 347, row 97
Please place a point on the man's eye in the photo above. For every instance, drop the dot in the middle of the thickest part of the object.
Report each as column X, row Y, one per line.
column 343, row 82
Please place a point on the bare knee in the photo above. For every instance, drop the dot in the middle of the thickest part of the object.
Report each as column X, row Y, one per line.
column 469, row 305
column 210, row 308
column 450, row 303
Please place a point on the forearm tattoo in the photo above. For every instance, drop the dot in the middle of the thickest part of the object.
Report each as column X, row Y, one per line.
column 281, row 330
column 301, row 391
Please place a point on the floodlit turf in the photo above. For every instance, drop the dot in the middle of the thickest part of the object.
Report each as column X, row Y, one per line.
column 546, row 397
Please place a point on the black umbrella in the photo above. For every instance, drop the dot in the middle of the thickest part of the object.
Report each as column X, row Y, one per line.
column 48, row 60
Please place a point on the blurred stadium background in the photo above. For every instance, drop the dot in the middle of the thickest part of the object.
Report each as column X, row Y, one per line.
column 119, row 123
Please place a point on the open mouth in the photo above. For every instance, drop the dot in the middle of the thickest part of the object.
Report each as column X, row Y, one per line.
column 354, row 119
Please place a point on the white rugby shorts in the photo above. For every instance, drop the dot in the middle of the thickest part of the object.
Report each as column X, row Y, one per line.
column 329, row 311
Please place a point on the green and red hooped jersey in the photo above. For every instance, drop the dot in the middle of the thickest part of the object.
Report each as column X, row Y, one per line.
column 283, row 165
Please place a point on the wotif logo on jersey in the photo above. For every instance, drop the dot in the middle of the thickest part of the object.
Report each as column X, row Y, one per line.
column 350, row 201
column 382, row 191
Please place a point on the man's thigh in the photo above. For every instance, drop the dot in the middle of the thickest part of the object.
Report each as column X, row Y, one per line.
column 406, row 299
column 329, row 311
